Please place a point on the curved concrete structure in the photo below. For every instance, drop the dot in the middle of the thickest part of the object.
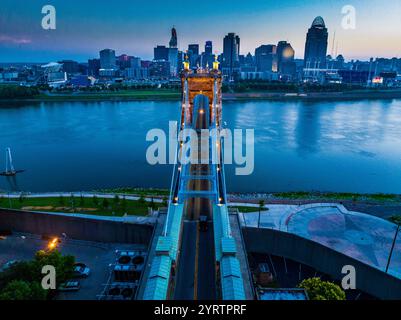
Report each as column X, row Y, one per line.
column 327, row 237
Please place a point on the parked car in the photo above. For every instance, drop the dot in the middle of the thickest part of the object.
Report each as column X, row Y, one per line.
column 81, row 270
column 69, row 286
column 8, row 265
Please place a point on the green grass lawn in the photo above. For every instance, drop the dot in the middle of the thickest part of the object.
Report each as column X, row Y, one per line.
column 137, row 191
column 246, row 209
column 95, row 206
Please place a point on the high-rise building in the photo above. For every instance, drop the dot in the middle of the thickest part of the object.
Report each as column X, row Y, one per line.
column 285, row 60
column 193, row 54
column 173, row 40
column 93, row 67
column 173, row 59
column 316, row 45
column 209, row 48
column 70, row 66
column 160, row 53
column 231, row 49
column 207, row 56
column 266, row 58
column 124, row 61
column 107, row 59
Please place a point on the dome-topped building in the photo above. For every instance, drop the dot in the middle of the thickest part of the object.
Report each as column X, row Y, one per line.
column 318, row 22
column 316, row 45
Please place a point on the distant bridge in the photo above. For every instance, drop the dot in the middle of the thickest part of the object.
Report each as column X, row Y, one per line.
column 188, row 263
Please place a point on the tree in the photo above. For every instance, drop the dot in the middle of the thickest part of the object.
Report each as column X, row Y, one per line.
column 261, row 207
column 64, row 265
column 21, row 290
column 61, row 200
column 322, row 290
column 116, row 200
column 82, row 201
column 395, row 219
column 152, row 204
column 124, row 204
column 105, row 203
column 95, row 200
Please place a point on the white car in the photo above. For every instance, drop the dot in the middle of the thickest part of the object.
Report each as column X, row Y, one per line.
column 81, row 270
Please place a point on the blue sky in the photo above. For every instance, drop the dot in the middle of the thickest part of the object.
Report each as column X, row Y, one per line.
column 135, row 27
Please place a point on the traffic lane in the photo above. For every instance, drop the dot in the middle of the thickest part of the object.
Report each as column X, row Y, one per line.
column 184, row 288
column 206, row 265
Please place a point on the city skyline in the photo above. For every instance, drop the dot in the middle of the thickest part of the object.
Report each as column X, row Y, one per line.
column 83, row 30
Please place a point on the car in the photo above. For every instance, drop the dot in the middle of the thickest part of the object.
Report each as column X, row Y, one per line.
column 203, row 223
column 8, row 265
column 81, row 270
column 69, row 286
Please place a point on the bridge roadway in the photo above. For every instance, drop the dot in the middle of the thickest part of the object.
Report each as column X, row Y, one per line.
column 196, row 265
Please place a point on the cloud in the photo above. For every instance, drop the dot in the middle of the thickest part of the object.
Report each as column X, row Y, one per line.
column 14, row 40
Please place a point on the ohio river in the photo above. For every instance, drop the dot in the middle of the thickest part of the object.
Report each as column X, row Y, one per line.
column 342, row 146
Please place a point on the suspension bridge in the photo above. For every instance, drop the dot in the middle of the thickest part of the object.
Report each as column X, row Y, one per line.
column 189, row 262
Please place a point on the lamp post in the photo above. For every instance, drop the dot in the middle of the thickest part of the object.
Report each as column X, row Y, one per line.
column 392, row 247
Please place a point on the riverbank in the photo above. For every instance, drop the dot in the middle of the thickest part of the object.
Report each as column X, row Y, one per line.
column 174, row 95
column 137, row 201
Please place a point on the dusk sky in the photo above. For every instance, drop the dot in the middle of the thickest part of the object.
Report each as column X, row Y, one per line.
column 135, row 27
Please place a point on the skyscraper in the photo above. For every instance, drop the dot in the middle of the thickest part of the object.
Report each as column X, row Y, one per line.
column 285, row 60
column 209, row 48
column 231, row 49
column 207, row 56
column 173, row 40
column 193, row 54
column 160, row 53
column 266, row 58
column 316, row 45
column 107, row 59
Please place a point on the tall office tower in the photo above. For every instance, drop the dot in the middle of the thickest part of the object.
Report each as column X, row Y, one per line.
column 209, row 48
column 173, row 59
column 194, row 48
column 173, row 40
column 316, row 45
column 193, row 54
column 160, row 53
column 285, row 60
column 207, row 56
column 107, row 59
column 266, row 58
column 93, row 67
column 124, row 61
column 231, row 49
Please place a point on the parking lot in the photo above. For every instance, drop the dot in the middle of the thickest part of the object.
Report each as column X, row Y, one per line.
column 97, row 256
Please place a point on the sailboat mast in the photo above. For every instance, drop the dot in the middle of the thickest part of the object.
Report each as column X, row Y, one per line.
column 9, row 161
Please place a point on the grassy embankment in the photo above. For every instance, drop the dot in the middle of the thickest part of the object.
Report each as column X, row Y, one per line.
column 159, row 94
column 95, row 206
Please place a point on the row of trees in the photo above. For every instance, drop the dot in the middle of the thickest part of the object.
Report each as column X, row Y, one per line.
column 22, row 281
column 12, row 92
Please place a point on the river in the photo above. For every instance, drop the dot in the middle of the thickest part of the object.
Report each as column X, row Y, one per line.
column 351, row 146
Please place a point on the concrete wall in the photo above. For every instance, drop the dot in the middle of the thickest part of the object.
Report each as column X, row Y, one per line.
column 89, row 229
column 323, row 259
